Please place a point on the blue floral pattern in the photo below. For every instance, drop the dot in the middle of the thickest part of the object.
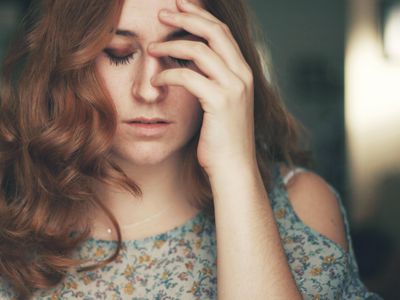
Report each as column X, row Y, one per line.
column 321, row 268
column 181, row 263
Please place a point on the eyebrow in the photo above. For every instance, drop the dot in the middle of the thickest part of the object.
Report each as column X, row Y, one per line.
column 170, row 36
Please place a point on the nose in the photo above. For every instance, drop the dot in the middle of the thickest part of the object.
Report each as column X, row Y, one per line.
column 142, row 89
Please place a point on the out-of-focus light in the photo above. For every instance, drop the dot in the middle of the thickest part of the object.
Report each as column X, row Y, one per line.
column 372, row 106
column 391, row 38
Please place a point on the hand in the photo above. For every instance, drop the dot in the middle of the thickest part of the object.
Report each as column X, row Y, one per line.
column 224, row 86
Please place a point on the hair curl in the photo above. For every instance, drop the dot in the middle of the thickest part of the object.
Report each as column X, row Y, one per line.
column 57, row 122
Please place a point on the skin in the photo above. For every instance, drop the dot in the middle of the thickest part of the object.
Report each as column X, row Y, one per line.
column 248, row 241
column 134, row 96
column 244, row 219
column 245, row 225
column 225, row 91
column 154, row 163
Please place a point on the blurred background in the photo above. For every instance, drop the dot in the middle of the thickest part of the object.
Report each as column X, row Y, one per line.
column 338, row 67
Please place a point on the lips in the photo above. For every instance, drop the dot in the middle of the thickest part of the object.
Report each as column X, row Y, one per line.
column 148, row 127
column 143, row 120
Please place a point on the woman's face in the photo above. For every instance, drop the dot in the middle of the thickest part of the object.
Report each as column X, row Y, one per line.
column 127, row 67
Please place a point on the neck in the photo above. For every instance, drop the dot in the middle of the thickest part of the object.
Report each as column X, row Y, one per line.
column 161, row 187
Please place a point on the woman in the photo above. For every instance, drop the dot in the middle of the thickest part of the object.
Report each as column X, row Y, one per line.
column 138, row 147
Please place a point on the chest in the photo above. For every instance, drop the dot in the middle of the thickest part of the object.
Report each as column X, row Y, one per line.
column 180, row 267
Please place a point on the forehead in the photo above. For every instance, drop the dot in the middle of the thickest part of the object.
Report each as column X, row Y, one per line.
column 142, row 16
column 145, row 8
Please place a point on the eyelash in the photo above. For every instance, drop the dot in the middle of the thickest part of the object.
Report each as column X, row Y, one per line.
column 123, row 60
column 119, row 60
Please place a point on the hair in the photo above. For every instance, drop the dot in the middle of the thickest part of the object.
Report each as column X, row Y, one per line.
column 57, row 123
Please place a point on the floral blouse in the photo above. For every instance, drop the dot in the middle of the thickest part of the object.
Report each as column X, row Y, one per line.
column 181, row 263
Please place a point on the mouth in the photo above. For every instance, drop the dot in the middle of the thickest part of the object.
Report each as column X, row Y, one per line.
column 148, row 127
column 148, row 121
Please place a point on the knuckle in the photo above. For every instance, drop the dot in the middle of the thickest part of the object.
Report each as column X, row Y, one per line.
column 239, row 90
column 239, row 86
column 199, row 47
column 246, row 75
column 225, row 27
column 217, row 27
column 249, row 74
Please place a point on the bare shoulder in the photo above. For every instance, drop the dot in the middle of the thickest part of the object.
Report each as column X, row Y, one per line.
column 316, row 205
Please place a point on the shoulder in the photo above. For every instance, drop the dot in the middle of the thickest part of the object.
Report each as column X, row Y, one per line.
column 316, row 204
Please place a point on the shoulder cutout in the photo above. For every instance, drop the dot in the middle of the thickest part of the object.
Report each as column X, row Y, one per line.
column 316, row 205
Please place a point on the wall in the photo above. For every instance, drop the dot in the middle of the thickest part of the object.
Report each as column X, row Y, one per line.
column 306, row 44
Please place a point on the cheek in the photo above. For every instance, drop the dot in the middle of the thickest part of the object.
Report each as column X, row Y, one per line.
column 113, row 81
column 187, row 107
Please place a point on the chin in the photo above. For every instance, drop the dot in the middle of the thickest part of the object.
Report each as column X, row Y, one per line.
column 146, row 156
column 147, row 160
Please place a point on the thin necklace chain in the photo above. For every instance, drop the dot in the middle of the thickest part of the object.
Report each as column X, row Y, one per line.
column 129, row 226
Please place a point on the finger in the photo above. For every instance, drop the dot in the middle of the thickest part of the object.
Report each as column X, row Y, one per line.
column 214, row 33
column 196, row 84
column 191, row 7
column 205, row 59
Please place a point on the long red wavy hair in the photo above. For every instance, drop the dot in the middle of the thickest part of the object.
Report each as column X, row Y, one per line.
column 57, row 122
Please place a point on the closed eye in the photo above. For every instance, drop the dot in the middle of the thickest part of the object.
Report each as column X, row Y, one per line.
column 181, row 62
column 123, row 60
column 117, row 60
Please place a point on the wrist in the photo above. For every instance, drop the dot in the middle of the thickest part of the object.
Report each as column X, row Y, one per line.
column 233, row 173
